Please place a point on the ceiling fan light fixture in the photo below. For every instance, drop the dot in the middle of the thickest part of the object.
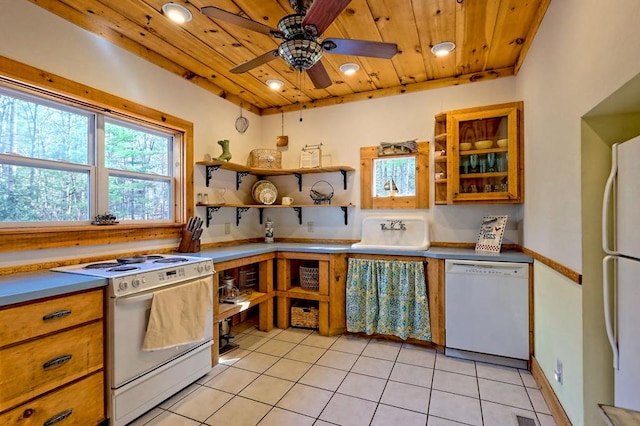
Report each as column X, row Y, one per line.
column 177, row 13
column 443, row 48
column 301, row 54
column 349, row 68
column 275, row 84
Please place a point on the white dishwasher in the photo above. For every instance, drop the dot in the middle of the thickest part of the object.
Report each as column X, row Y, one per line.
column 487, row 311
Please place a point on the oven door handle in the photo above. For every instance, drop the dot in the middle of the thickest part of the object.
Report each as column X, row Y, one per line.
column 125, row 300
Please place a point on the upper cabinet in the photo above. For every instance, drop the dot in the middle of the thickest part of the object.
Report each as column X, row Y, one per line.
column 479, row 155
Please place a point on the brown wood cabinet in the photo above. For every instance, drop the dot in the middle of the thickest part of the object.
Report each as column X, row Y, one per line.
column 479, row 155
column 330, row 295
column 51, row 351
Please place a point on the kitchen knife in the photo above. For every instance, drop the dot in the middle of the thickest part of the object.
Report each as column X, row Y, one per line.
column 196, row 235
column 190, row 224
column 198, row 224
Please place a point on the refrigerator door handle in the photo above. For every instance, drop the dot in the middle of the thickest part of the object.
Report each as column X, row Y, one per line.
column 606, row 201
column 607, row 311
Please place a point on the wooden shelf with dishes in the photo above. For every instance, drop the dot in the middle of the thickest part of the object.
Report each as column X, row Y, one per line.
column 242, row 171
column 479, row 155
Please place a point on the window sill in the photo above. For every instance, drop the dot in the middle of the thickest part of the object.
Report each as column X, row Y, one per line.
column 20, row 239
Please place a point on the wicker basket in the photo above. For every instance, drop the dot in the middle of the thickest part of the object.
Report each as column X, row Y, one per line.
column 309, row 278
column 304, row 316
column 265, row 159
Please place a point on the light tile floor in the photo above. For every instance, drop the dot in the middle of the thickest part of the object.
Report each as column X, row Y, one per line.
column 296, row 377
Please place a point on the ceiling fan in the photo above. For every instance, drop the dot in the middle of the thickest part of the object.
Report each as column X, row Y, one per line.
column 302, row 47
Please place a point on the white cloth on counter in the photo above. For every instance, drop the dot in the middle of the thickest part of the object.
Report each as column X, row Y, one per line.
column 178, row 315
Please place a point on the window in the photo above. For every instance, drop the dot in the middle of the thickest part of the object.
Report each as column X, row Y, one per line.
column 62, row 165
column 394, row 181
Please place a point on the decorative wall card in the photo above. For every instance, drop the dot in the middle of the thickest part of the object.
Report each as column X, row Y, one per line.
column 311, row 156
column 491, row 232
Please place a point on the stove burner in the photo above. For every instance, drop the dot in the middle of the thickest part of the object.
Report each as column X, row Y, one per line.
column 154, row 257
column 123, row 268
column 171, row 260
column 102, row 265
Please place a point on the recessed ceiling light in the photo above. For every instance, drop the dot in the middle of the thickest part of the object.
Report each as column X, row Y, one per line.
column 177, row 13
column 275, row 84
column 443, row 49
column 349, row 68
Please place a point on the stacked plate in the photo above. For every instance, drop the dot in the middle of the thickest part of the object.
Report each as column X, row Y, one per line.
column 264, row 192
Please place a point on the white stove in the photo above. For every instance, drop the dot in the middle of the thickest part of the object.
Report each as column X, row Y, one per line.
column 140, row 379
column 135, row 274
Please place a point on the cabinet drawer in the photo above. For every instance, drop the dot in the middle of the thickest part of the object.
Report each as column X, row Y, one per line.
column 35, row 319
column 38, row 366
column 78, row 404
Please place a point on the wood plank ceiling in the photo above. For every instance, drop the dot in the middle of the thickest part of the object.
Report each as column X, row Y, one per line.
column 492, row 38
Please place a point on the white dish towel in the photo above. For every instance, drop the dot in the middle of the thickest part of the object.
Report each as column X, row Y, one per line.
column 178, row 315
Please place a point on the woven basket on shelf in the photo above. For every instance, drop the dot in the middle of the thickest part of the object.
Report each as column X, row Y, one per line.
column 265, row 159
column 309, row 278
column 304, row 316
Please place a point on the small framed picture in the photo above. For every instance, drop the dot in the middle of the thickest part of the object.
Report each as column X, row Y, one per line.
column 311, row 157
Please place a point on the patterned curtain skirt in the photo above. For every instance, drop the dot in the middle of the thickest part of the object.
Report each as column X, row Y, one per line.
column 388, row 297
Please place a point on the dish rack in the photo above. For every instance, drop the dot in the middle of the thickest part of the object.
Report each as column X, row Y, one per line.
column 321, row 192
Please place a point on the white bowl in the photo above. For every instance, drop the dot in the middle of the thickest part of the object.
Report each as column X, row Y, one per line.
column 484, row 144
column 502, row 143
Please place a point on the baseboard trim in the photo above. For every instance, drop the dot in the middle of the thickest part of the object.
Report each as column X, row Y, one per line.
column 550, row 397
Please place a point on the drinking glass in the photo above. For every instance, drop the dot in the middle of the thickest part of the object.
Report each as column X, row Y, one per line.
column 473, row 162
column 491, row 161
column 488, row 188
column 483, row 165
column 465, row 165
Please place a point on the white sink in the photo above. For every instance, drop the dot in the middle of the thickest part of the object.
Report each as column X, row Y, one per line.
column 396, row 232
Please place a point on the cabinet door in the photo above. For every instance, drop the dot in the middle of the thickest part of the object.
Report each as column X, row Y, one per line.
column 484, row 155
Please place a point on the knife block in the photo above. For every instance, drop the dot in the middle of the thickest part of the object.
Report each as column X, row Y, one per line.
column 188, row 244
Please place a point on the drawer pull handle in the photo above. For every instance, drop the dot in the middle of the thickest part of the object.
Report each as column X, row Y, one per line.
column 56, row 362
column 58, row 314
column 58, row 418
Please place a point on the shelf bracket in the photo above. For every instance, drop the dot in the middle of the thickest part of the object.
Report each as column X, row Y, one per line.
column 210, row 211
column 239, row 177
column 299, row 177
column 344, row 210
column 298, row 210
column 261, row 210
column 210, row 170
column 344, row 178
column 239, row 211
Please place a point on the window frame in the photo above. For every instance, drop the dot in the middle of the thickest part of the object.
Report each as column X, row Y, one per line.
column 419, row 201
column 24, row 78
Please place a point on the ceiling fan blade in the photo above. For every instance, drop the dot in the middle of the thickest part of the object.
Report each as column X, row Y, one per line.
column 319, row 76
column 323, row 12
column 373, row 49
column 255, row 62
column 223, row 15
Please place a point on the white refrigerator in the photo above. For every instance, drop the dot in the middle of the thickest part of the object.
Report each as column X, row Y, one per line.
column 621, row 270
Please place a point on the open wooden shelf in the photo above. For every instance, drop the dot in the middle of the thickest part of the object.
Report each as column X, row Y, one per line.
column 226, row 310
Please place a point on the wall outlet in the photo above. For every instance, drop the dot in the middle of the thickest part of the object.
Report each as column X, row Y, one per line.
column 227, row 228
column 309, row 226
column 557, row 373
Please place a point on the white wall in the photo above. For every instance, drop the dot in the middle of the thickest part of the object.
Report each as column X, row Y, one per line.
column 343, row 129
column 583, row 52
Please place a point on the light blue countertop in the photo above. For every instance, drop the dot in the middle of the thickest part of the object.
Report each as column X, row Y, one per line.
column 23, row 287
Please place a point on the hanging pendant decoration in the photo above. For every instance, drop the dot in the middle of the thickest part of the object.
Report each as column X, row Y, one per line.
column 282, row 140
column 242, row 124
